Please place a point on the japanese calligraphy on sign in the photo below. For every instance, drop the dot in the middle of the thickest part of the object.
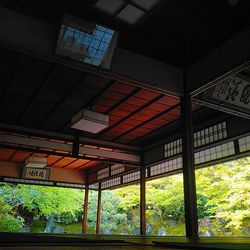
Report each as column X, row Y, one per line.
column 36, row 173
column 233, row 90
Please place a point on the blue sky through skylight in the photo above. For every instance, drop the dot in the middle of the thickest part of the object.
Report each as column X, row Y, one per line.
column 96, row 44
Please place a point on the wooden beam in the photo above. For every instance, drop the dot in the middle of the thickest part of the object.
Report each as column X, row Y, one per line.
column 143, row 201
column 85, row 210
column 99, row 204
column 190, row 199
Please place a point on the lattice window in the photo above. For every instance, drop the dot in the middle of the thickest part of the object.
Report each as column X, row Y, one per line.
column 17, row 180
column 173, row 148
column 103, row 173
column 117, row 169
column 111, row 183
column 167, row 166
column 244, row 144
column 131, row 177
column 214, row 153
column 93, row 47
column 70, row 185
column 201, row 138
column 211, row 134
column 94, row 186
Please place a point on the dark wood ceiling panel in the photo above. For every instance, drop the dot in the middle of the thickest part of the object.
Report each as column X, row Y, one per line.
column 63, row 162
column 120, row 113
column 123, row 88
column 89, row 164
column 6, row 154
column 53, row 158
column 150, row 112
column 128, row 107
column 140, row 117
column 137, row 101
column 159, row 106
column 113, row 95
column 20, row 156
column 76, row 164
column 168, row 100
column 146, row 94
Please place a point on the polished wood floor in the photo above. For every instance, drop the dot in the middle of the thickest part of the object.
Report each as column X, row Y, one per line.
column 24, row 241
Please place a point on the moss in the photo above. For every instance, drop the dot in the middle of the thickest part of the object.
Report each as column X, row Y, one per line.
column 178, row 230
column 38, row 226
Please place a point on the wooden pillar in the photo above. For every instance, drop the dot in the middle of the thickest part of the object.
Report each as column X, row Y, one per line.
column 191, row 215
column 143, row 200
column 99, row 204
column 85, row 210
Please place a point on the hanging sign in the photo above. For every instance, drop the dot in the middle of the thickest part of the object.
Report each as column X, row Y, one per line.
column 36, row 173
column 233, row 90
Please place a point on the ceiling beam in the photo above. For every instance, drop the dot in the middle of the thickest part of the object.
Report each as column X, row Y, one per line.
column 103, row 143
column 55, row 135
column 110, row 154
column 66, row 149
column 221, row 108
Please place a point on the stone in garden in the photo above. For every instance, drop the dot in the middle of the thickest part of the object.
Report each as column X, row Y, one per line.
column 222, row 221
column 58, row 230
column 209, row 233
column 204, row 222
column 136, row 231
column 149, row 228
column 106, row 231
column 50, row 225
column 162, row 231
column 172, row 223
column 246, row 230
column 25, row 230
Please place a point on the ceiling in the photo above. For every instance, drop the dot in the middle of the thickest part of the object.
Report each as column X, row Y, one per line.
column 177, row 32
column 42, row 95
column 54, row 161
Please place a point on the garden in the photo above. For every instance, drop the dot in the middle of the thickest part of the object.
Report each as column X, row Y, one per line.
column 223, row 197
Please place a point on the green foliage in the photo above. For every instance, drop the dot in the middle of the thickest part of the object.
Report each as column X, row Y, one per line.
column 223, row 195
column 111, row 216
column 92, row 211
column 43, row 201
column 227, row 191
column 8, row 222
column 165, row 197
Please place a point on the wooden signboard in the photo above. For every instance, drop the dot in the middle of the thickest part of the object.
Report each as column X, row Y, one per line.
column 36, row 173
column 233, row 90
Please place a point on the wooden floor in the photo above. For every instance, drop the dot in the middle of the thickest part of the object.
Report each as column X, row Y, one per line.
column 24, row 241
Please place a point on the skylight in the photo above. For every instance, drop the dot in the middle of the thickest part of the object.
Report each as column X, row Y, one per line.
column 85, row 42
column 109, row 6
column 130, row 12
column 145, row 4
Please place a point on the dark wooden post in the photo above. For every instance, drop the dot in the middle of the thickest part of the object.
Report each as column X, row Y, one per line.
column 191, row 215
column 143, row 200
column 85, row 210
column 99, row 204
